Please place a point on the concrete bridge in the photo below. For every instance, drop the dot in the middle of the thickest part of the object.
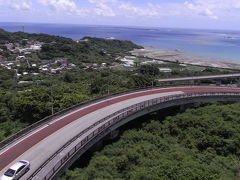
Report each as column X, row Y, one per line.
column 53, row 144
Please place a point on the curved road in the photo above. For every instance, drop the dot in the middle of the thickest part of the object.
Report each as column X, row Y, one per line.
column 40, row 144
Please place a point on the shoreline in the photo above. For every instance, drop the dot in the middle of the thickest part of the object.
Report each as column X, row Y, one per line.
column 178, row 56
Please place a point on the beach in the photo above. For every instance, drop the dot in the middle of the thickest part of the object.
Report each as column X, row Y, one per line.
column 184, row 58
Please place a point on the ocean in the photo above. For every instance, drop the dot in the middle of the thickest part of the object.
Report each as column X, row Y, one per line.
column 216, row 44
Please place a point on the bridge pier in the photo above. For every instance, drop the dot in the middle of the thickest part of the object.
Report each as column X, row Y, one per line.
column 196, row 104
column 96, row 147
column 183, row 107
column 113, row 134
column 238, row 82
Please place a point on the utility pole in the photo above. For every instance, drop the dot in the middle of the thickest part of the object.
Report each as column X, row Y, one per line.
column 23, row 29
column 51, row 89
column 52, row 110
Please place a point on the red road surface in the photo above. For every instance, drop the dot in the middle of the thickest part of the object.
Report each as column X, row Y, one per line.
column 11, row 154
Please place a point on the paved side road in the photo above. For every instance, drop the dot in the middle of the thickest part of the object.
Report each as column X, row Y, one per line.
column 200, row 77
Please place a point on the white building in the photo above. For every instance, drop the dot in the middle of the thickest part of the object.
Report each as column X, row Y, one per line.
column 165, row 70
column 20, row 58
column 45, row 69
column 152, row 62
column 130, row 57
column 183, row 65
column 127, row 62
column 35, row 47
column 104, row 64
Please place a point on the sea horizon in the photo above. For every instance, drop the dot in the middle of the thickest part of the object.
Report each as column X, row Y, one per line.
column 215, row 44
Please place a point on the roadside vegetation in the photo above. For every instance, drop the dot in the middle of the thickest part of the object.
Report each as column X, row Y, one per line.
column 200, row 143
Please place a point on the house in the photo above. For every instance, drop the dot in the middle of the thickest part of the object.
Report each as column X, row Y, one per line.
column 45, row 69
column 35, row 47
column 127, row 62
column 20, row 58
column 104, row 64
column 152, row 62
column 27, row 53
column 9, row 64
column 55, row 70
column 130, row 57
column 2, row 57
column 183, row 65
column 72, row 65
column 165, row 70
column 25, row 82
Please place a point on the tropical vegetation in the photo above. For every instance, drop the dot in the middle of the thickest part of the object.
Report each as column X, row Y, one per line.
column 200, row 143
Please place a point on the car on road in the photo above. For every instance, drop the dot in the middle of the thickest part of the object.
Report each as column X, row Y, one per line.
column 16, row 171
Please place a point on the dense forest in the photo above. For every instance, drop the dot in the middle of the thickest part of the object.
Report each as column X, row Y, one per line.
column 200, row 143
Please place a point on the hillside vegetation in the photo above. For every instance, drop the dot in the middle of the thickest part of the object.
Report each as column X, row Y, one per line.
column 87, row 50
column 199, row 144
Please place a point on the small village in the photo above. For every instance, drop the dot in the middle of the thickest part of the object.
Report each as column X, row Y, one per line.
column 25, row 62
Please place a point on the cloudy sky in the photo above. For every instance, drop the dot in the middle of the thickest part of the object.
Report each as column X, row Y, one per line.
column 213, row 14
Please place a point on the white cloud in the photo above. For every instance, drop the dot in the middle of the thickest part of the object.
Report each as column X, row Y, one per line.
column 112, row 11
column 149, row 11
column 214, row 9
column 20, row 5
column 200, row 10
column 103, row 8
column 63, row 6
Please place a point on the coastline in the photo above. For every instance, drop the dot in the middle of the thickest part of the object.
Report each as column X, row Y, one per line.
column 181, row 57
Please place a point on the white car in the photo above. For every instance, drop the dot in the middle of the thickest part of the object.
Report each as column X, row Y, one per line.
column 16, row 171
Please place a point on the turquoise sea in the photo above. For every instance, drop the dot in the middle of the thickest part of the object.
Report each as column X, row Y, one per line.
column 217, row 44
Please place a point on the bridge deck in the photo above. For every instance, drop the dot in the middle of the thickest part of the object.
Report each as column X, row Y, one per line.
column 41, row 144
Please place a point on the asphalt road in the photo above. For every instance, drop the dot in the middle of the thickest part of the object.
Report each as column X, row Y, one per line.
column 199, row 78
column 42, row 143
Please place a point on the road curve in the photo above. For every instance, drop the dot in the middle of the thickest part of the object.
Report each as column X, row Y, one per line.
column 42, row 143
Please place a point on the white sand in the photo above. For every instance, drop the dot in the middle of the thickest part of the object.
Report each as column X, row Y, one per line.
column 178, row 56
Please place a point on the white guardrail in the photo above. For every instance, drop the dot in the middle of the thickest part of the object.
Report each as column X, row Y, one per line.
column 54, row 163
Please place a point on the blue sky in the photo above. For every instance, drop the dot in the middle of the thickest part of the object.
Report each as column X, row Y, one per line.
column 210, row 14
